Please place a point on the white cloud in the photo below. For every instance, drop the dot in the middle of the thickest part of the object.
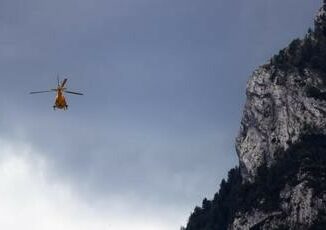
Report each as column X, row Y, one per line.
column 32, row 200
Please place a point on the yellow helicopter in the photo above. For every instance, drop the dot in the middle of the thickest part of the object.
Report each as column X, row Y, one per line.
column 60, row 100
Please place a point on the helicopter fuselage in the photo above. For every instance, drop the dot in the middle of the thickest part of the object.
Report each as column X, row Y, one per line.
column 60, row 100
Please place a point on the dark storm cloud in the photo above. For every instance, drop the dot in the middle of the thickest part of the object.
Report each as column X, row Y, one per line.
column 164, row 87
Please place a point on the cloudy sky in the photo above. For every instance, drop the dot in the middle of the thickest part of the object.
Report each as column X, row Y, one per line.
column 164, row 84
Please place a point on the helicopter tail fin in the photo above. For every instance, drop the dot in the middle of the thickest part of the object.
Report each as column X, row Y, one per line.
column 64, row 82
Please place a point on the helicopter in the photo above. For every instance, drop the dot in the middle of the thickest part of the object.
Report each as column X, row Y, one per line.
column 60, row 100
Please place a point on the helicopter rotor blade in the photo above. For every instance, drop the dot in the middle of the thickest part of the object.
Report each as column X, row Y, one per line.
column 73, row 92
column 44, row 91
column 64, row 82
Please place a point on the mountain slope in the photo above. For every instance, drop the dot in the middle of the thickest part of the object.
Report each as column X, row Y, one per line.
column 288, row 195
column 280, row 183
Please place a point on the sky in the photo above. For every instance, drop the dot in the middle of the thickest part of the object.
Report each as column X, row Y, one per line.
column 164, row 84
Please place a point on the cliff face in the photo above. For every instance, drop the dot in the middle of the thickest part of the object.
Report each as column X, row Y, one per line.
column 292, row 191
column 280, row 107
column 277, row 112
column 290, row 194
column 281, row 179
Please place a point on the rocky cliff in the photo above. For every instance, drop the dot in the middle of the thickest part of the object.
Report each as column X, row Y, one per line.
column 280, row 182
column 280, row 107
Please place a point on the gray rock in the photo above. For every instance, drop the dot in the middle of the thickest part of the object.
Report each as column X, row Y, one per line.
column 283, row 133
column 277, row 112
column 299, row 209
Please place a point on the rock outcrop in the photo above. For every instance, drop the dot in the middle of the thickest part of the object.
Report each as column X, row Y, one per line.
column 281, row 179
column 279, row 107
column 278, row 111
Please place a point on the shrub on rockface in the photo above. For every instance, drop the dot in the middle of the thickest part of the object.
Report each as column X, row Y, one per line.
column 309, row 52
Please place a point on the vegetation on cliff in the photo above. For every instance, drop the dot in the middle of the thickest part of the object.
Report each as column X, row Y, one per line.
column 307, row 158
